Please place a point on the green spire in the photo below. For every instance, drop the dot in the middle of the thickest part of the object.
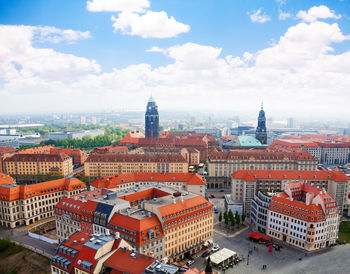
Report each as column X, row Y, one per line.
column 151, row 99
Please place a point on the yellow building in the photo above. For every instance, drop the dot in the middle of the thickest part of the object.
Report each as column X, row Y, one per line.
column 100, row 165
column 39, row 164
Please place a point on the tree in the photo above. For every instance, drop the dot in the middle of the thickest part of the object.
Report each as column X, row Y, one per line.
column 238, row 219
column 226, row 220
column 220, row 217
column 233, row 222
column 243, row 217
column 225, row 215
column 230, row 215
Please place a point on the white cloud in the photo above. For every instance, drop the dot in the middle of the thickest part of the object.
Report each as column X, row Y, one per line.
column 283, row 15
column 299, row 75
column 156, row 49
column 149, row 25
column 117, row 5
column 314, row 13
column 20, row 59
column 281, row 2
column 259, row 17
column 55, row 35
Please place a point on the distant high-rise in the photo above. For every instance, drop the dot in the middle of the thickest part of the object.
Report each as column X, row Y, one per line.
column 152, row 119
column 261, row 133
column 83, row 120
column 290, row 123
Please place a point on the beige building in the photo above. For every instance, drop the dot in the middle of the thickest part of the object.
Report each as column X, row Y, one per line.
column 100, row 165
column 247, row 183
column 304, row 216
column 27, row 204
column 39, row 164
column 221, row 165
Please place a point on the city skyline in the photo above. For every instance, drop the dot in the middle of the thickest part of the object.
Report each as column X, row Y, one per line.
column 99, row 54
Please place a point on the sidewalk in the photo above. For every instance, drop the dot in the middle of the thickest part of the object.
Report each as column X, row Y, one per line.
column 220, row 229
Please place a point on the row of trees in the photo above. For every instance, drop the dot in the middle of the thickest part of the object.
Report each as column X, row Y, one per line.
column 231, row 219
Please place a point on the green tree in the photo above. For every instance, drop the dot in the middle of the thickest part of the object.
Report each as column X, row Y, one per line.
column 226, row 220
column 220, row 217
column 233, row 222
column 243, row 217
column 230, row 215
column 238, row 219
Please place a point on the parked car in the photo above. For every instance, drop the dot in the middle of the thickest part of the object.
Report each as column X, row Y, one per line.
column 190, row 262
column 206, row 254
column 215, row 248
column 222, row 190
column 212, row 196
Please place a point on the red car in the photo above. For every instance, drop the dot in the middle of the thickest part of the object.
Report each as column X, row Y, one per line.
column 212, row 196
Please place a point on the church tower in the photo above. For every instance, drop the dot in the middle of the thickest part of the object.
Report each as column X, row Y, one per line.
column 261, row 133
column 152, row 119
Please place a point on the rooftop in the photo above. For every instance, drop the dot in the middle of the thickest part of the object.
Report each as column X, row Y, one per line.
column 151, row 158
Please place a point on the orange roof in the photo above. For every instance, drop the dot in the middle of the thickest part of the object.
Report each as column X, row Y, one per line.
column 253, row 175
column 5, row 179
column 180, row 206
column 122, row 262
column 36, row 150
column 37, row 157
column 15, row 192
column 113, row 181
column 142, row 158
column 7, row 149
column 260, row 155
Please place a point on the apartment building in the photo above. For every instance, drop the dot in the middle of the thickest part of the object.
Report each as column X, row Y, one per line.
column 304, row 216
column 329, row 153
column 159, row 221
column 100, row 165
column 191, row 182
column 78, row 156
column 26, row 204
column 222, row 164
column 259, row 210
column 5, row 152
column 39, row 164
column 82, row 253
column 247, row 183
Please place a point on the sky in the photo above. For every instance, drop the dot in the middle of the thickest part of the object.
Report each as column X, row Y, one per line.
column 198, row 55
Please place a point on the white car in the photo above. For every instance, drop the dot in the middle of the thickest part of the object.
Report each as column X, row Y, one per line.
column 215, row 248
column 190, row 262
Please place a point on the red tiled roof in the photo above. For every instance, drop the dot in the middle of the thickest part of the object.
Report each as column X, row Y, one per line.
column 113, row 181
column 122, row 262
column 260, row 155
column 7, row 149
column 36, row 150
column 151, row 158
column 253, row 175
column 59, row 157
column 44, row 188
column 5, row 179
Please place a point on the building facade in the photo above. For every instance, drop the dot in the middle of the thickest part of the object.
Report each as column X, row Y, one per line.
column 247, row 183
column 26, row 204
column 152, row 119
column 100, row 165
column 156, row 220
column 259, row 210
column 221, row 165
column 39, row 164
column 261, row 133
column 304, row 216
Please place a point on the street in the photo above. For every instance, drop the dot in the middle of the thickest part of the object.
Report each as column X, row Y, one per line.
column 21, row 236
column 333, row 260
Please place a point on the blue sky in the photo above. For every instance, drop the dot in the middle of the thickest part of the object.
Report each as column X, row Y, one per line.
column 198, row 48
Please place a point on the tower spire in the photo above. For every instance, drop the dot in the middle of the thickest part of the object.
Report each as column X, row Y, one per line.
column 262, row 105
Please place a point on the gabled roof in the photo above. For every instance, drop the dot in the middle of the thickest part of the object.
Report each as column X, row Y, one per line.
column 7, row 149
column 5, row 179
column 122, row 262
column 113, row 181
column 253, row 175
column 59, row 157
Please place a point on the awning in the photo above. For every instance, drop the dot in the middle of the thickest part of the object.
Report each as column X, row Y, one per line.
column 258, row 236
column 221, row 256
